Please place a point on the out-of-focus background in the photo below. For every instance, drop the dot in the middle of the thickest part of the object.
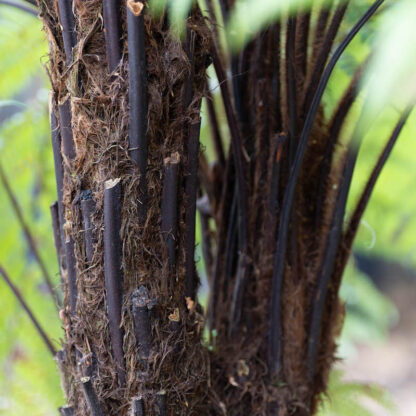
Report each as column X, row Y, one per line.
column 377, row 368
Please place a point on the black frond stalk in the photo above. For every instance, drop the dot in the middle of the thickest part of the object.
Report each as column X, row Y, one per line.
column 274, row 347
column 112, row 31
column 326, row 266
column 59, row 167
column 66, row 411
column 142, row 326
column 69, row 35
column 237, row 149
column 88, row 210
column 91, row 397
column 169, row 208
column 71, row 271
column 137, row 407
column 65, row 121
column 191, row 190
column 161, row 402
column 56, row 231
column 113, row 270
column 138, row 98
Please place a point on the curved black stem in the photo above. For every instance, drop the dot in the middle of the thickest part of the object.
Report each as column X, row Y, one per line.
column 25, row 306
column 20, row 6
column 29, row 236
column 354, row 222
column 335, row 127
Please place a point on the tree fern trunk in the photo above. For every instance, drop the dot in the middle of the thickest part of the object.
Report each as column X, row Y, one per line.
column 129, row 255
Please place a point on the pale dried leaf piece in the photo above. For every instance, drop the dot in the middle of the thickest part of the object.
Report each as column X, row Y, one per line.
column 242, row 368
column 175, row 317
column 135, row 7
column 190, row 304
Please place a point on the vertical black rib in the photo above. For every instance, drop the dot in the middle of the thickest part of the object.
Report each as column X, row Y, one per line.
column 56, row 231
column 137, row 407
column 88, row 365
column 111, row 12
column 87, row 210
column 138, row 98
column 291, row 97
column 169, row 209
column 328, row 260
column 237, row 148
column 142, row 326
column 65, row 120
column 59, row 168
column 112, row 270
column 66, row 411
column 71, row 270
column 161, row 402
column 66, row 17
column 91, row 397
column 191, row 189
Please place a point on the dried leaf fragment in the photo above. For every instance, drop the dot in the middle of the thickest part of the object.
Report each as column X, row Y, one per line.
column 135, row 7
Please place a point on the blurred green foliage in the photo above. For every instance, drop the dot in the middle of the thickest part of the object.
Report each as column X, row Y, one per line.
column 29, row 383
column 353, row 399
column 369, row 313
